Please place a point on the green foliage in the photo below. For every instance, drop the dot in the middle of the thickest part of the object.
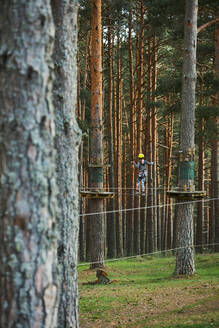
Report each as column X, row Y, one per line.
column 169, row 84
column 166, row 14
column 211, row 83
column 205, row 50
column 149, row 104
column 207, row 112
column 164, row 20
column 207, row 9
column 84, row 126
column 121, row 6
column 85, row 95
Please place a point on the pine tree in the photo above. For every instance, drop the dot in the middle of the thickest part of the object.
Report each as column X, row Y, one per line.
column 67, row 143
column 185, row 253
column 28, row 189
column 96, row 222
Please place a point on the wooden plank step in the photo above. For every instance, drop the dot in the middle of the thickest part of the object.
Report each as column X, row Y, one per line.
column 96, row 194
column 186, row 194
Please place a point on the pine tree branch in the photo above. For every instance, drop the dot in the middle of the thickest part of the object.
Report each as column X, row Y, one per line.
column 200, row 28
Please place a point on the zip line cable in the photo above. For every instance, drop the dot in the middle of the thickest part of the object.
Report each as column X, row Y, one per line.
column 146, row 207
column 108, row 188
column 147, row 254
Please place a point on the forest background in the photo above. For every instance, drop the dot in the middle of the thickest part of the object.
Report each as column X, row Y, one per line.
column 142, row 81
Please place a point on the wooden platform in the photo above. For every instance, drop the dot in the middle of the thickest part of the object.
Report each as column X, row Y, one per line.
column 186, row 194
column 97, row 194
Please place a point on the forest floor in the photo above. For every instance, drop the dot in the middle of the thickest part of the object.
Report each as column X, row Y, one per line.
column 147, row 295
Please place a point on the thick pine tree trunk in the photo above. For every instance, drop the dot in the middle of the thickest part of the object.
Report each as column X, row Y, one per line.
column 185, row 255
column 96, row 221
column 67, row 144
column 28, row 189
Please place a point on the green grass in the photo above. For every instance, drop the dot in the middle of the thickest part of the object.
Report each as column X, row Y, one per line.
column 147, row 295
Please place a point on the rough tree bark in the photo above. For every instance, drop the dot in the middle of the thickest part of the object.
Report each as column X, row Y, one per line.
column 27, row 167
column 185, row 255
column 67, row 144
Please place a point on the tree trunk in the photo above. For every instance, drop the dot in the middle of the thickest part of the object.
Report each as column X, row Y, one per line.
column 130, row 215
column 124, row 188
column 185, row 255
column 216, row 189
column 207, row 209
column 150, row 222
column 200, row 205
column 96, row 222
column 169, row 174
column 140, row 63
column 159, row 201
column 217, row 148
column 67, row 143
column 119, row 229
column 167, row 222
column 154, row 140
column 83, row 155
column 148, row 143
column 212, row 195
column 111, row 223
column 28, row 189
column 139, row 69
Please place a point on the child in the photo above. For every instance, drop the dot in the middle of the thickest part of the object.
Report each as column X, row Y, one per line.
column 141, row 165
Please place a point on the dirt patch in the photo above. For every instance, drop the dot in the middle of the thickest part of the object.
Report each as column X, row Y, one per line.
column 139, row 303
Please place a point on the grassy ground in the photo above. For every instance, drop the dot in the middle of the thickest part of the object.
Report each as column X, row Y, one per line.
column 146, row 295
